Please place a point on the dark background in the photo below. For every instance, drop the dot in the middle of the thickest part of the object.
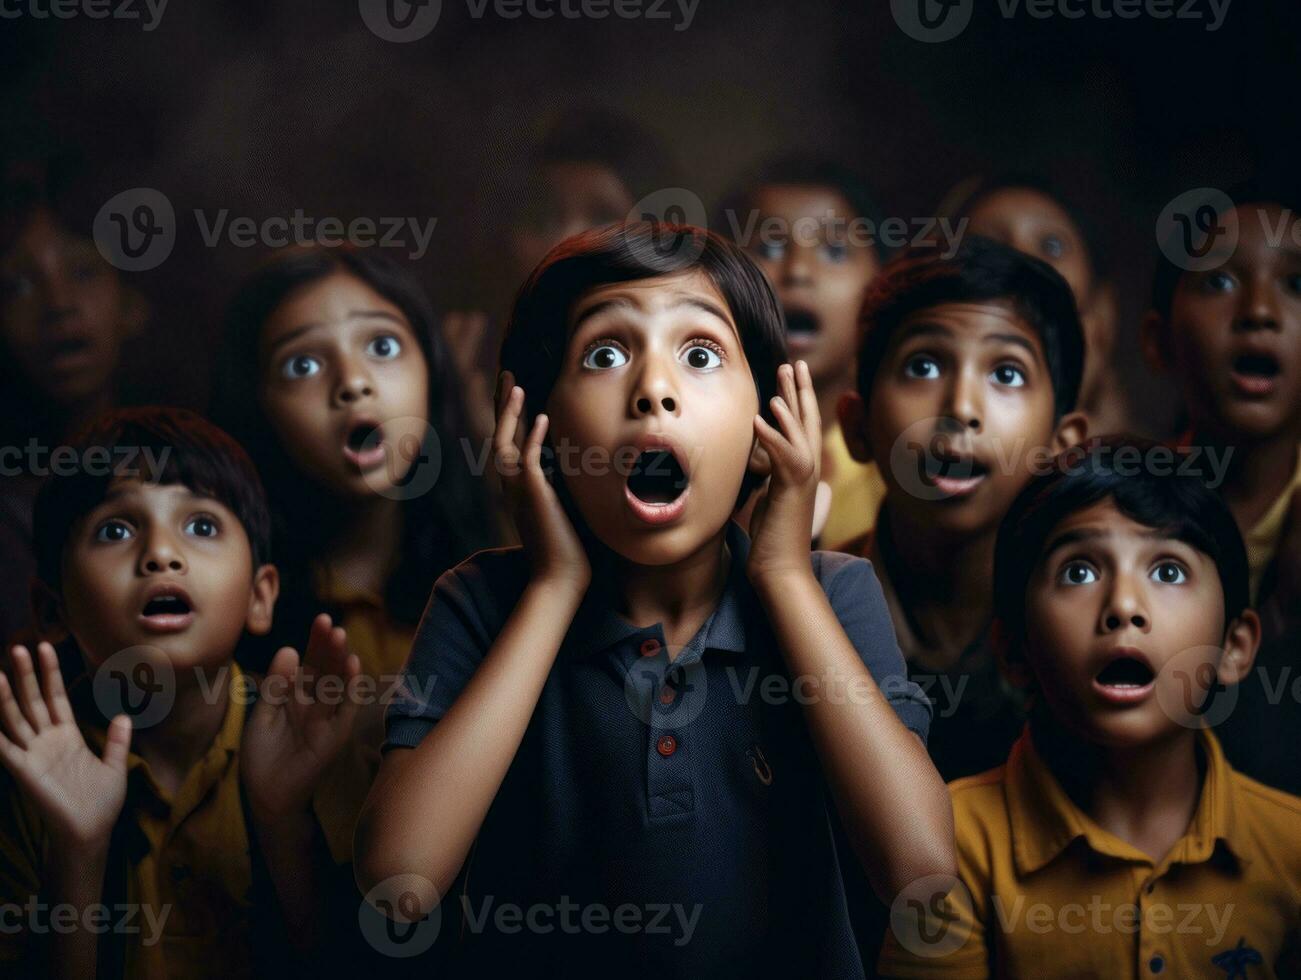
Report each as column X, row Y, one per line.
column 263, row 107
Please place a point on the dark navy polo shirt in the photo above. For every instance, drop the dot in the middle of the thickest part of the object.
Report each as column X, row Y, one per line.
column 666, row 819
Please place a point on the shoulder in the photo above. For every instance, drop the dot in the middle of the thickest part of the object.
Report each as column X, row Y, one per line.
column 981, row 820
column 1265, row 807
column 837, row 570
column 488, row 580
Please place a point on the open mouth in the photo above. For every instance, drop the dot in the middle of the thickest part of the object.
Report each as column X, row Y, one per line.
column 364, row 445
column 167, row 611
column 657, row 487
column 802, row 326
column 1124, row 680
column 954, row 476
column 69, row 350
column 166, row 605
column 1256, row 374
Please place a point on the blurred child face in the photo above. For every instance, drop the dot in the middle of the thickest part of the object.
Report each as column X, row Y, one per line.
column 64, row 314
column 960, row 402
column 165, row 567
column 575, row 196
column 1234, row 334
column 345, row 385
column 820, row 278
column 655, row 408
column 1035, row 224
column 1125, row 629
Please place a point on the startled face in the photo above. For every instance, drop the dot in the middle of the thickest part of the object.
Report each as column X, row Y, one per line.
column 161, row 566
column 960, row 405
column 345, row 385
column 571, row 197
column 1032, row 222
column 652, row 415
column 819, row 271
column 1233, row 339
column 63, row 313
column 1125, row 629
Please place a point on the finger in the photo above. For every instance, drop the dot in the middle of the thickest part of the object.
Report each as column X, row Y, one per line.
column 317, row 654
column 15, row 725
column 789, row 425
column 808, row 397
column 56, row 698
column 504, row 437
column 533, row 446
column 505, row 381
column 347, row 713
column 117, row 745
column 11, row 755
column 29, row 690
column 786, row 386
column 772, row 441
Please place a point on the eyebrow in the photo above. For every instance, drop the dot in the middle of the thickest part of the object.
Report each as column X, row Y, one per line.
column 297, row 332
column 927, row 329
column 622, row 303
column 1081, row 535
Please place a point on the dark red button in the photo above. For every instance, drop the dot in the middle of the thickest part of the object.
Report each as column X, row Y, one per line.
column 666, row 746
column 667, row 694
column 650, row 647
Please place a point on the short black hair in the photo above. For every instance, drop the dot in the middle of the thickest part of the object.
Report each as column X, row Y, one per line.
column 166, row 446
column 1179, row 505
column 805, row 171
column 979, row 271
column 1283, row 193
column 537, row 335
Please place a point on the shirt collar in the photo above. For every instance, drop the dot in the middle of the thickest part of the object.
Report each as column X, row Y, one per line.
column 598, row 626
column 1045, row 821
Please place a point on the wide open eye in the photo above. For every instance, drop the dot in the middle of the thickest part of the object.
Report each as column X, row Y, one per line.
column 1169, row 573
column 1078, row 573
column 922, row 366
column 300, row 366
column 603, row 356
column 201, row 526
column 701, row 357
column 1008, row 375
column 111, row 531
column 385, row 347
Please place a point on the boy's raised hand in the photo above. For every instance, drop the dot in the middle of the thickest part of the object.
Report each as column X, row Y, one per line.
column 554, row 549
column 782, row 523
column 300, row 723
column 77, row 794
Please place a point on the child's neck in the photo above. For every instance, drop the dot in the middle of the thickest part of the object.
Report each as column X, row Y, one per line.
column 363, row 551
column 176, row 744
column 1257, row 473
column 681, row 595
column 1145, row 794
column 828, row 394
column 943, row 583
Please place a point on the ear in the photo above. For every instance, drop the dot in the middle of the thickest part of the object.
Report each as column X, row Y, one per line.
column 47, row 612
column 1072, row 429
column 1012, row 666
column 1152, row 342
column 851, row 412
column 1099, row 317
column 759, row 462
column 1241, row 641
column 262, row 595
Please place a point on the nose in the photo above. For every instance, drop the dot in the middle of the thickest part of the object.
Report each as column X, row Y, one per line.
column 1258, row 307
column 797, row 268
column 1124, row 607
column 160, row 554
column 653, row 392
column 60, row 302
column 354, row 382
column 966, row 405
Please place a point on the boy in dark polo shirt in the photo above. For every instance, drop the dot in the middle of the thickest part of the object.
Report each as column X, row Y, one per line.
column 629, row 746
column 1117, row 841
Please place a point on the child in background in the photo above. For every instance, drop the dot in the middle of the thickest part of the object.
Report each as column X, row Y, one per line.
column 333, row 377
column 156, row 572
column 580, row 710
column 1034, row 217
column 1229, row 334
column 820, row 277
column 967, row 374
column 65, row 314
column 1117, row 841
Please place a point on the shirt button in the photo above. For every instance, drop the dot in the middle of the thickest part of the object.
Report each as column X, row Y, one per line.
column 667, row 694
column 1156, row 964
column 1151, row 887
column 666, row 745
column 650, row 647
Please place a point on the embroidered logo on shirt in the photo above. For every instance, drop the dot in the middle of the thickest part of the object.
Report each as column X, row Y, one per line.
column 1235, row 961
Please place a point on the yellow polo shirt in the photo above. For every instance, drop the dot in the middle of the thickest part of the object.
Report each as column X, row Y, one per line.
column 188, row 873
column 1262, row 540
column 382, row 645
column 856, row 492
column 1049, row 893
